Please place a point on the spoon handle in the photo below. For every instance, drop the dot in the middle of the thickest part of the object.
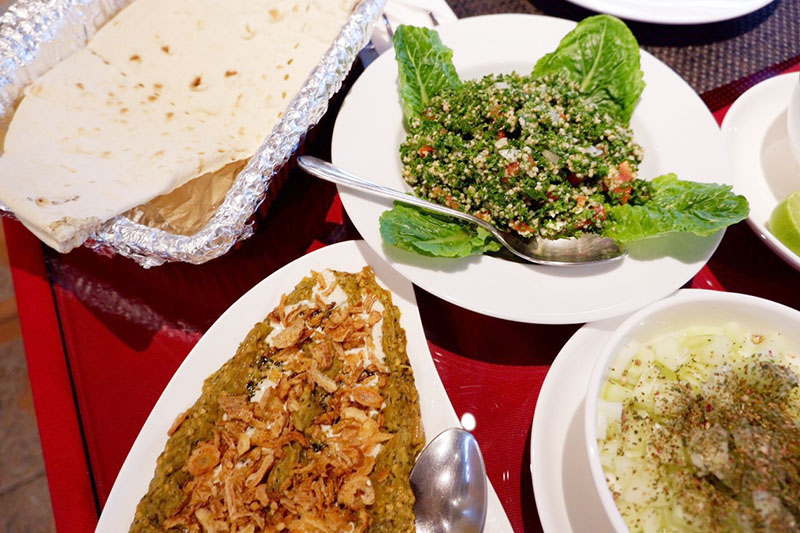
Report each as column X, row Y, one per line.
column 328, row 172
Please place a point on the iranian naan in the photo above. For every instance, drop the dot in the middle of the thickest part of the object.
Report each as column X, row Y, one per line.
column 166, row 91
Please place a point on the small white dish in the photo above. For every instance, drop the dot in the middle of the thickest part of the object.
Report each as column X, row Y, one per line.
column 684, row 309
column 765, row 170
column 565, row 497
column 671, row 123
column 793, row 118
column 220, row 343
column 674, row 11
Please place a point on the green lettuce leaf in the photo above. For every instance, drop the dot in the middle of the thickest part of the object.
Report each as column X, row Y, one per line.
column 423, row 232
column 602, row 56
column 425, row 67
column 675, row 205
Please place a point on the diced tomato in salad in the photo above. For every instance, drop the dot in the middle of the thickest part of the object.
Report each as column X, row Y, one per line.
column 619, row 182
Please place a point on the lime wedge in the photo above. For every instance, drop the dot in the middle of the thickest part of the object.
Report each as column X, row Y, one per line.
column 785, row 222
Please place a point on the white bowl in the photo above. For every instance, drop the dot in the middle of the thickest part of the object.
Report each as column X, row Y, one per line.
column 793, row 119
column 686, row 308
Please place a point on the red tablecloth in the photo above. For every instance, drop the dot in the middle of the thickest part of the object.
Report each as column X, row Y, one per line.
column 103, row 337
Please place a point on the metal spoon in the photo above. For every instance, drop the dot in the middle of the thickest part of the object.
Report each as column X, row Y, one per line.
column 589, row 248
column 449, row 482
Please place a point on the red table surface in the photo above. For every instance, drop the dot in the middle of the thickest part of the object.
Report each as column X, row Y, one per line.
column 104, row 336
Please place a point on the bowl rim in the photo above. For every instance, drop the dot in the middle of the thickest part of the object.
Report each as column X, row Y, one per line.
column 793, row 118
column 682, row 297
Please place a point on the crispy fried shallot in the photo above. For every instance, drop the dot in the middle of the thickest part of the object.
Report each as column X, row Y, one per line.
column 299, row 456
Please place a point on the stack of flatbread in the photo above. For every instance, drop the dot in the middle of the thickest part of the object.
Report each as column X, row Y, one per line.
column 166, row 92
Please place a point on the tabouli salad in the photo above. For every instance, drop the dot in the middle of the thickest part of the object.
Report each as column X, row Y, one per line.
column 529, row 132
column 549, row 154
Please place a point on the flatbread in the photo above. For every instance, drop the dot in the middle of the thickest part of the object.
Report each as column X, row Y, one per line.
column 187, row 209
column 165, row 92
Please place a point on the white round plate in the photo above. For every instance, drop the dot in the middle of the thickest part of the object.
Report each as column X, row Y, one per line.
column 566, row 498
column 674, row 11
column 220, row 343
column 671, row 123
column 765, row 170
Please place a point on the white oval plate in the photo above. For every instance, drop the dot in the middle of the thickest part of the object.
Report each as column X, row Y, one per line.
column 764, row 167
column 562, row 480
column 220, row 343
column 674, row 11
column 671, row 122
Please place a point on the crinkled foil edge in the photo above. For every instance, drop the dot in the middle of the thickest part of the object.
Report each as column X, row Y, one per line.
column 37, row 34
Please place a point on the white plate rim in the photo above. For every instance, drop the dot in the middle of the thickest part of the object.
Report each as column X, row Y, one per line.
column 772, row 95
column 669, row 13
column 561, row 396
column 184, row 387
column 563, row 393
column 342, row 155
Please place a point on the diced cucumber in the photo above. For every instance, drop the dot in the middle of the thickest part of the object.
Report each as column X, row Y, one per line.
column 635, row 436
column 669, row 352
column 649, row 519
column 612, row 481
column 602, row 424
column 614, row 392
column 643, row 391
column 770, row 345
column 623, row 360
column 608, row 450
column 668, row 373
column 695, row 373
column 639, row 364
column 715, row 351
column 639, row 485
column 679, row 518
column 735, row 332
column 664, row 403
column 609, row 413
column 694, row 343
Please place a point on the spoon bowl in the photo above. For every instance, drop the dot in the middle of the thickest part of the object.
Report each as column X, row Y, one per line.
column 587, row 249
column 450, row 485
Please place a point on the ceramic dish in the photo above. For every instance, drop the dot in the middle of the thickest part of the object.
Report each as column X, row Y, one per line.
column 36, row 34
column 674, row 11
column 219, row 344
column 565, row 498
column 687, row 308
column 793, row 118
column 764, row 167
column 671, row 122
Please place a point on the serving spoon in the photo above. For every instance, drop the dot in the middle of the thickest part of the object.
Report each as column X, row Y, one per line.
column 587, row 249
column 449, row 483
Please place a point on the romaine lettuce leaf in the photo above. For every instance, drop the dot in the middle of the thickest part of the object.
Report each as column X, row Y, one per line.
column 675, row 205
column 423, row 232
column 425, row 67
column 602, row 56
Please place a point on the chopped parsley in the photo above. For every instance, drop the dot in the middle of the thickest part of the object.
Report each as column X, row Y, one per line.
column 523, row 153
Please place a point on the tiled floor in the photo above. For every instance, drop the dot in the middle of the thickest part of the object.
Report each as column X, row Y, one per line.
column 24, row 497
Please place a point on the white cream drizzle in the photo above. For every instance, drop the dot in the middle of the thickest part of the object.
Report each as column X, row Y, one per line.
column 263, row 386
column 337, row 297
column 377, row 333
column 375, row 450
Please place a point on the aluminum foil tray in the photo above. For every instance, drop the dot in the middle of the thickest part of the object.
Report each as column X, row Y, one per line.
column 36, row 34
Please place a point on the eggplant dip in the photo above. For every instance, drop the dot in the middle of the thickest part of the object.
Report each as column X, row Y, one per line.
column 314, row 424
